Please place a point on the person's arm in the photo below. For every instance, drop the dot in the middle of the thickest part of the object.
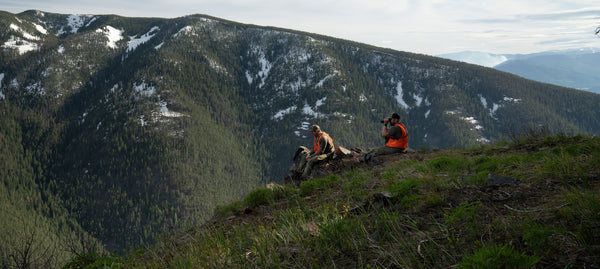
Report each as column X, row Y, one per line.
column 395, row 132
column 384, row 130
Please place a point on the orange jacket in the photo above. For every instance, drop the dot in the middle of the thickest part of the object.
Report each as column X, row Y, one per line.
column 401, row 142
column 317, row 139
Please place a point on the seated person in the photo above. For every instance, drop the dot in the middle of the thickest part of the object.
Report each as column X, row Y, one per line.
column 396, row 139
column 323, row 146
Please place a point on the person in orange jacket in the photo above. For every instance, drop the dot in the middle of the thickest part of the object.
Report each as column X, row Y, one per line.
column 396, row 139
column 322, row 147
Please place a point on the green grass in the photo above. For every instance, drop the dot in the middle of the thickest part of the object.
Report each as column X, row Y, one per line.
column 502, row 256
column 309, row 187
column 442, row 213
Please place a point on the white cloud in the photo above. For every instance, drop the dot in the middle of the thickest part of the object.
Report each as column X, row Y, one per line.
column 430, row 27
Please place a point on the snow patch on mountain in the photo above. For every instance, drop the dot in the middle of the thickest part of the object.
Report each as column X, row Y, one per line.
column 1, row 93
column 511, row 100
column 320, row 102
column 249, row 77
column 473, row 122
column 297, row 85
column 399, row 97
column 418, row 100
column 22, row 45
column 114, row 35
column 483, row 100
column 165, row 112
column 216, row 66
column 307, row 110
column 187, row 30
column 144, row 89
column 494, row 106
column 476, row 127
column 281, row 113
column 36, row 89
column 302, row 129
column 136, row 41
column 25, row 34
column 344, row 115
column 320, row 83
column 264, row 64
column 265, row 68
column 41, row 29
column 362, row 98
column 14, row 83
column 75, row 22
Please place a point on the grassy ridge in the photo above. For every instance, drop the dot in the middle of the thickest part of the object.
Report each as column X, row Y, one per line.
column 530, row 202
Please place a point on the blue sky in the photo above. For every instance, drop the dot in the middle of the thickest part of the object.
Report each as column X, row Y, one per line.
column 422, row 26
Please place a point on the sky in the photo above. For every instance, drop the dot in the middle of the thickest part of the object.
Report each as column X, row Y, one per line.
column 430, row 27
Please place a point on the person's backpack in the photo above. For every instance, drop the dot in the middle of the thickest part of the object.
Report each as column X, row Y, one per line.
column 301, row 153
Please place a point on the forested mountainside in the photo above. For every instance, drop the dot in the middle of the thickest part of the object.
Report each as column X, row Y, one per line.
column 126, row 128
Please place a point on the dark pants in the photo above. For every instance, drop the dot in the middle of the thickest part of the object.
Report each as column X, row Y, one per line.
column 385, row 150
column 306, row 166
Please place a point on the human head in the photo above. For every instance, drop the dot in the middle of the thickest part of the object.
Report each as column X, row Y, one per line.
column 395, row 118
column 315, row 129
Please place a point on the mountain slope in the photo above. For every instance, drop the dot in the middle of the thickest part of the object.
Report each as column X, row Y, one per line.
column 135, row 126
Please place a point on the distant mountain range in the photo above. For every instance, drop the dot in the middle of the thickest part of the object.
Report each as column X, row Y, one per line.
column 577, row 68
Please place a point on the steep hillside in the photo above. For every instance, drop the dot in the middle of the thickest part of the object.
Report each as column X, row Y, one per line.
column 530, row 203
column 131, row 127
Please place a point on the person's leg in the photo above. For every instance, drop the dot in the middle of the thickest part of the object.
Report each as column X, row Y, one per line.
column 311, row 162
column 364, row 156
column 368, row 156
column 386, row 151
